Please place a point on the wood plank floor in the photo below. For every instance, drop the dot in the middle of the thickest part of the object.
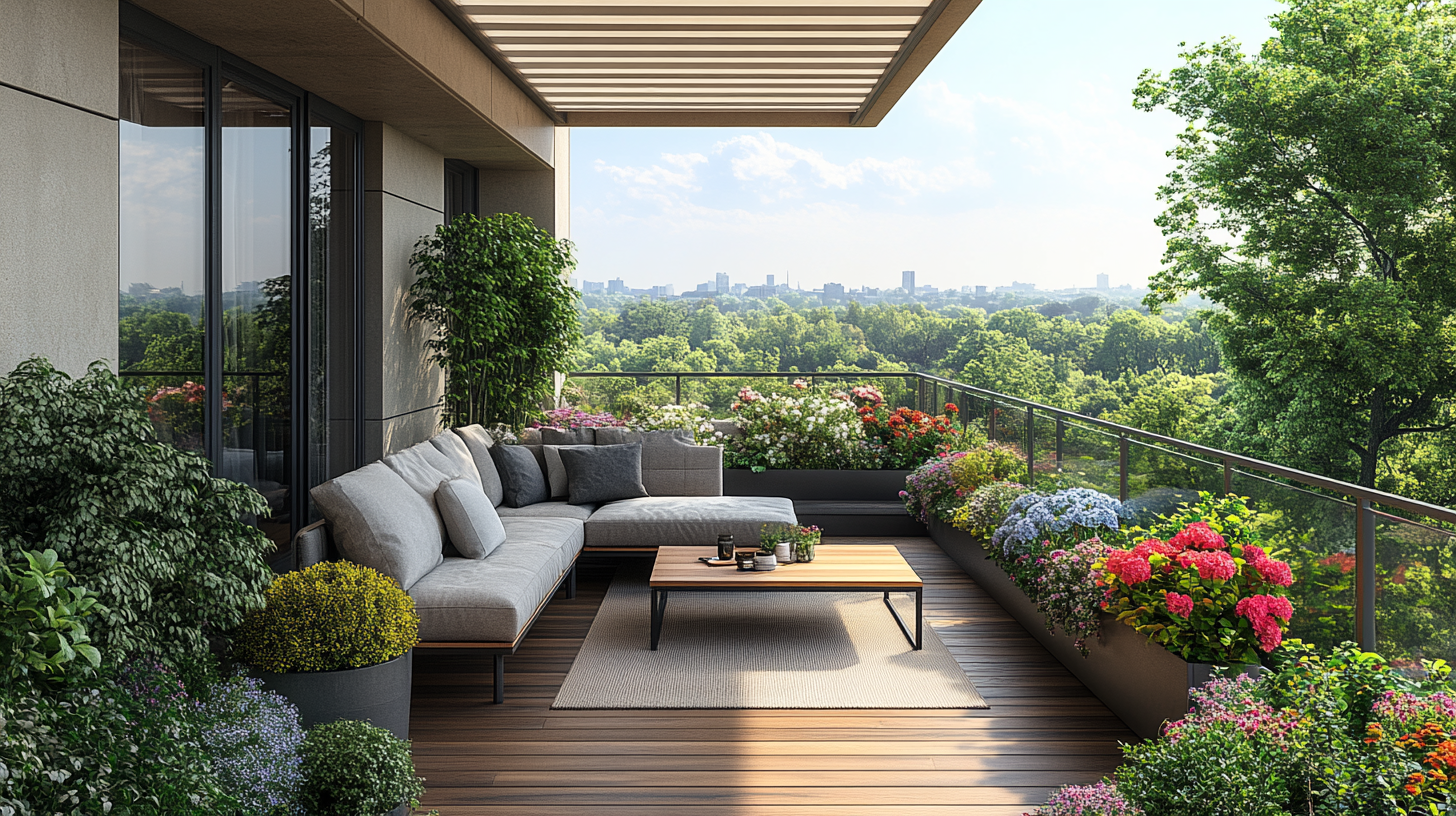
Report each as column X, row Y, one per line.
column 1043, row 730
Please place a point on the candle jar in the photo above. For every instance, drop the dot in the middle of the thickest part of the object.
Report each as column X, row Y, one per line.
column 725, row 547
column 784, row 552
column 745, row 561
column 765, row 562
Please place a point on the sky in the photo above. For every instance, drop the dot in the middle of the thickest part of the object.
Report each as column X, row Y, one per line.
column 1016, row 156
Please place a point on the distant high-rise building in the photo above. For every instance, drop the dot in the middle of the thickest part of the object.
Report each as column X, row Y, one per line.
column 980, row 290
column 907, row 281
column 706, row 287
column 617, row 287
column 740, row 288
column 723, row 285
column 769, row 282
column 833, row 290
column 592, row 287
column 1102, row 281
column 662, row 291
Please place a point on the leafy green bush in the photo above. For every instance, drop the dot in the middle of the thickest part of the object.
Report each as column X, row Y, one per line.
column 496, row 290
column 352, row 768
column 41, row 629
column 333, row 615
column 987, row 507
column 992, row 462
column 143, row 525
column 117, row 749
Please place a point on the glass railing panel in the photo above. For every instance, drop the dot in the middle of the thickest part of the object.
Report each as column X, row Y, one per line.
column 176, row 407
column 1316, row 535
column 1415, row 592
column 1160, row 479
column 1089, row 459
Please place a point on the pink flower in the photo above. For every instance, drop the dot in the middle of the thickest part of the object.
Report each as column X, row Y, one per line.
column 1180, row 605
column 1275, row 572
column 1265, row 613
column 1129, row 567
column 1254, row 554
column 1215, row 565
column 1198, row 536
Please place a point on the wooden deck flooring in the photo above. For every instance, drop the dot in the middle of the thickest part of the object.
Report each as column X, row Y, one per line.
column 1043, row 730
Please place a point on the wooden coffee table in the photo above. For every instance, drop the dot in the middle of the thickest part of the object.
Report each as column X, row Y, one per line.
column 835, row 568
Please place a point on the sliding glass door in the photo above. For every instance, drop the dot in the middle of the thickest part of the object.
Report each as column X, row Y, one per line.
column 239, row 280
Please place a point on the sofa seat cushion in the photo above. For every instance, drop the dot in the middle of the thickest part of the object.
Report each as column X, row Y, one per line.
column 549, row 509
column 490, row 600
column 658, row 521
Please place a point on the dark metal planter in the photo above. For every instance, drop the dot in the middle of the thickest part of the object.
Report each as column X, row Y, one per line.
column 378, row 693
column 1143, row 683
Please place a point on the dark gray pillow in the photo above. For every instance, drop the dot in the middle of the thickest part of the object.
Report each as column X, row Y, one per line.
column 568, row 436
column 603, row 473
column 522, row 481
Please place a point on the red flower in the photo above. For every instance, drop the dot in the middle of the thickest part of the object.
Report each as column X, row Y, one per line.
column 950, row 408
column 1198, row 536
column 1275, row 572
column 1215, row 565
column 1345, row 561
column 1130, row 567
column 1180, row 605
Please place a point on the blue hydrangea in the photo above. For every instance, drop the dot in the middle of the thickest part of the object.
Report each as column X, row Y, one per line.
column 253, row 737
column 1064, row 517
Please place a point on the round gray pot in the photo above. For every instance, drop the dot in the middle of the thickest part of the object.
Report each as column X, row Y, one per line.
column 378, row 693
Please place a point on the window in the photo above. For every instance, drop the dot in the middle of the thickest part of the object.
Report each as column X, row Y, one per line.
column 462, row 193
column 239, row 284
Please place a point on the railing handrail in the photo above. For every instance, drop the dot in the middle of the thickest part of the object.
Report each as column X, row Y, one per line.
column 1228, row 458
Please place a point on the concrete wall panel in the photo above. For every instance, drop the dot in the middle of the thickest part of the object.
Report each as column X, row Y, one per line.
column 58, row 231
column 65, row 51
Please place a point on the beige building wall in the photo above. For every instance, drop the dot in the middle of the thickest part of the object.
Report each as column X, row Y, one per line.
column 404, row 199
column 542, row 195
column 58, row 182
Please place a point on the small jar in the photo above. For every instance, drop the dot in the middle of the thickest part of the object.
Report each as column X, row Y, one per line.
column 765, row 562
column 725, row 547
column 784, row 552
column 745, row 561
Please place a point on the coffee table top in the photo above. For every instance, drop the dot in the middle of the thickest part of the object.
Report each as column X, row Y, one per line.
column 834, row 565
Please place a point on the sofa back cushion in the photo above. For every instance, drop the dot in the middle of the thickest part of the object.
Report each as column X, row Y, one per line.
column 603, row 473
column 568, row 436
column 523, row 480
column 556, row 480
column 454, row 451
column 471, row 520
column 378, row 520
column 424, row 469
column 672, row 465
column 479, row 443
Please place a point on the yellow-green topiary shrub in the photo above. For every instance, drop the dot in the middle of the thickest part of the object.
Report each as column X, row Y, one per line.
column 334, row 615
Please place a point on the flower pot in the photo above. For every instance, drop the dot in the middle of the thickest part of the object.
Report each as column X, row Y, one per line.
column 765, row 562
column 379, row 694
column 805, row 550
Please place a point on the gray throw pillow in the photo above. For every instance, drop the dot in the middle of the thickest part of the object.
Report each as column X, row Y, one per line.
column 474, row 526
column 522, row 482
column 603, row 473
column 479, row 442
column 556, row 471
column 379, row 521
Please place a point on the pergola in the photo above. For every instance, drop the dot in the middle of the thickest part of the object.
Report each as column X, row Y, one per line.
column 606, row 63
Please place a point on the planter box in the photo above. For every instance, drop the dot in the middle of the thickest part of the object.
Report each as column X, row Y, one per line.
column 817, row 485
column 1143, row 683
column 379, row 694
column 857, row 502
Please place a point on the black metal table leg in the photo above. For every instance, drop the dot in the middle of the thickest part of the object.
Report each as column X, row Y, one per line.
column 915, row 639
column 659, row 607
column 500, row 678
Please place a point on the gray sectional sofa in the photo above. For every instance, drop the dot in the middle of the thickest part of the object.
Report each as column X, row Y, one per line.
column 385, row 515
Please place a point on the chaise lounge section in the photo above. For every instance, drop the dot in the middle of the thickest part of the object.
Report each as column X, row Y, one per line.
column 388, row 515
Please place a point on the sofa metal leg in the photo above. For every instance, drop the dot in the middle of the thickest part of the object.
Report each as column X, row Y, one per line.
column 500, row 678
column 571, row 583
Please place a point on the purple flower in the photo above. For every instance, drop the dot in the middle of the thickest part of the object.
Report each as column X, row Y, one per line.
column 253, row 737
column 1101, row 799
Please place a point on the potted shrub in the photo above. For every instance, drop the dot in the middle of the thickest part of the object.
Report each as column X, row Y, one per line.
column 351, row 768
column 337, row 640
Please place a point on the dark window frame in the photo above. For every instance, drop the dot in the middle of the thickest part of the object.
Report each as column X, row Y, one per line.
column 469, row 180
column 219, row 66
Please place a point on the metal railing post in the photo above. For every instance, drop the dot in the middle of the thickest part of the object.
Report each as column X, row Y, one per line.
column 1030, row 447
column 1061, row 432
column 677, row 390
column 991, row 420
column 1228, row 477
column 1122, row 468
column 1364, row 575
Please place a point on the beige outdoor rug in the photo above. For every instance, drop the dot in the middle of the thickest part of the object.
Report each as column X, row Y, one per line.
column 760, row 650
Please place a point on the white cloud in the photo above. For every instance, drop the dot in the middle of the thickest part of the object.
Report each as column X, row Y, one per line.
column 762, row 158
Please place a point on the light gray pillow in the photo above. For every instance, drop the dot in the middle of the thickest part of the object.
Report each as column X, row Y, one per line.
column 474, row 527
column 424, row 469
column 603, row 473
column 454, row 451
column 478, row 441
column 556, row 471
column 379, row 521
column 522, row 481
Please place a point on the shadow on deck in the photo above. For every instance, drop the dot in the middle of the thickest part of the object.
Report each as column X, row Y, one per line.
column 1043, row 730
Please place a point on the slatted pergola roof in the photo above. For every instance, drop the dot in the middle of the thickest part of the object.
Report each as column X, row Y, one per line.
column 712, row 62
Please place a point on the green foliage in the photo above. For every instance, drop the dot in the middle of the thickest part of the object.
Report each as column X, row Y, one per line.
column 41, row 630
column 352, row 768
column 495, row 291
column 163, row 545
column 1216, row 771
column 103, row 750
column 986, row 508
column 985, row 464
column 1311, row 201
column 333, row 615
